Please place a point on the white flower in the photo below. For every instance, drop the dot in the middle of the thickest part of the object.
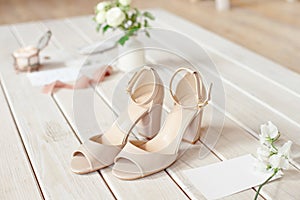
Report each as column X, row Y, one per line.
column 101, row 6
column 263, row 153
column 268, row 132
column 260, row 166
column 278, row 161
column 281, row 159
column 285, row 149
column 124, row 2
column 100, row 17
column 115, row 17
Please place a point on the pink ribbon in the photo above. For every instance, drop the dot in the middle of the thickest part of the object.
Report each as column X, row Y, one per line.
column 82, row 82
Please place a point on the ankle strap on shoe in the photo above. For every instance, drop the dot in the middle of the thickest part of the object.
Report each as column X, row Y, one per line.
column 135, row 78
column 199, row 87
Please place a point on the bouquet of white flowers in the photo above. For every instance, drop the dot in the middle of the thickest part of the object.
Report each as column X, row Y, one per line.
column 119, row 14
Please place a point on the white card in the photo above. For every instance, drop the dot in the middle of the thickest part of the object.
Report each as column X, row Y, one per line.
column 225, row 178
column 65, row 74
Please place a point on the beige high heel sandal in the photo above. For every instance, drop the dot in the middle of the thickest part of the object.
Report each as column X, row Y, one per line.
column 139, row 159
column 144, row 111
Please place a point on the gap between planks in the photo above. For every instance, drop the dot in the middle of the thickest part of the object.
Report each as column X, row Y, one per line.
column 21, row 142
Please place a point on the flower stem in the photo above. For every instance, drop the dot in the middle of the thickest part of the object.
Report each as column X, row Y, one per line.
column 272, row 144
column 264, row 183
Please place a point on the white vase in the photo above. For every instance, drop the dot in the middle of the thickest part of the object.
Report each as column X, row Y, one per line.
column 131, row 55
column 222, row 5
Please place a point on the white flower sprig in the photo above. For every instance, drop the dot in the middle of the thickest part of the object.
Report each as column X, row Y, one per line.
column 119, row 14
column 270, row 157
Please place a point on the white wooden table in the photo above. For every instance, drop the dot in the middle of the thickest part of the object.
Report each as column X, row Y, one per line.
column 38, row 133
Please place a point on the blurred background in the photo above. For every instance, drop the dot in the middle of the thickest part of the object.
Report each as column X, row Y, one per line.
column 268, row 27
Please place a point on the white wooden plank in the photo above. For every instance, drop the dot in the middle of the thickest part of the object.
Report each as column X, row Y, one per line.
column 275, row 98
column 17, row 179
column 86, row 24
column 104, row 116
column 252, row 118
column 47, row 137
column 254, row 63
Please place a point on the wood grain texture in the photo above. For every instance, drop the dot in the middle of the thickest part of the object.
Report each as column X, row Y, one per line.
column 48, row 138
column 17, row 179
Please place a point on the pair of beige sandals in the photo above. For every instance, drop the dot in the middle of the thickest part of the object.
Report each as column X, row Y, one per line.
column 137, row 159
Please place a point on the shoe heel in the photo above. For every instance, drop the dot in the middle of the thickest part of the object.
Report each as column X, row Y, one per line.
column 149, row 125
column 193, row 131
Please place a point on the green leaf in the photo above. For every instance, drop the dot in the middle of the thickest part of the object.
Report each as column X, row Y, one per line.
column 148, row 15
column 133, row 18
column 132, row 31
column 126, row 16
column 123, row 39
column 127, row 35
column 126, row 8
column 105, row 28
column 146, row 23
